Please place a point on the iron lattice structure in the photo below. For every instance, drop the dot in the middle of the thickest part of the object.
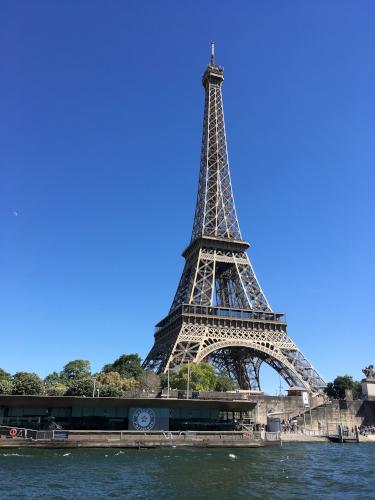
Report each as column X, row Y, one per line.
column 220, row 312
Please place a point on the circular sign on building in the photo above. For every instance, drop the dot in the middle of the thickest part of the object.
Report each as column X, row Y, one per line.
column 144, row 419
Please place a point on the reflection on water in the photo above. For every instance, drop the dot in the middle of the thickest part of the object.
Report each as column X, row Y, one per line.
column 321, row 470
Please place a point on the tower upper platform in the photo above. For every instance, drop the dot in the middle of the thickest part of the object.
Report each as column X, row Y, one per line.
column 213, row 73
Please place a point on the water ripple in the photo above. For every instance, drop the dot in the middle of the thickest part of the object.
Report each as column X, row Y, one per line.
column 294, row 471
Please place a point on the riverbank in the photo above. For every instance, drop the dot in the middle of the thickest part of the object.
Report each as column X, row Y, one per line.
column 157, row 439
column 305, row 438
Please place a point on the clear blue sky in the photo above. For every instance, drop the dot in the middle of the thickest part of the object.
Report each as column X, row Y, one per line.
column 101, row 115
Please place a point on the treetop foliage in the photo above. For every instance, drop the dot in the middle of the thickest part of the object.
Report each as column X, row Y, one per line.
column 76, row 379
column 27, row 383
column 336, row 389
column 4, row 374
column 127, row 365
column 127, row 374
column 6, row 386
column 224, row 382
column 203, row 377
column 79, row 368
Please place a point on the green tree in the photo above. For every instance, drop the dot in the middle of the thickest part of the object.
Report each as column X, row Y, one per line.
column 6, row 386
column 53, row 378
column 330, row 390
column 164, row 380
column 56, row 389
column 79, row 368
column 111, row 384
column 336, row 389
column 82, row 386
column 127, row 365
column 27, row 383
column 110, row 391
column 4, row 374
column 110, row 378
column 202, row 377
column 224, row 382
column 55, row 385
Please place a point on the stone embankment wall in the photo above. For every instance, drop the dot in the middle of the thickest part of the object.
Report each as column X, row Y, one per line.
column 323, row 414
column 283, row 407
column 347, row 413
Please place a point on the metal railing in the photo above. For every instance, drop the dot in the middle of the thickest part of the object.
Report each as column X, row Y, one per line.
column 223, row 312
column 141, row 436
column 272, row 436
column 32, row 434
column 232, row 313
column 214, row 395
column 306, row 432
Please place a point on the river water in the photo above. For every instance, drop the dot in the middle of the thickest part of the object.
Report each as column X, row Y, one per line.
column 295, row 470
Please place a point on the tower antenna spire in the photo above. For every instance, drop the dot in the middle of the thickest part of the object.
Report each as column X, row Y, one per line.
column 213, row 53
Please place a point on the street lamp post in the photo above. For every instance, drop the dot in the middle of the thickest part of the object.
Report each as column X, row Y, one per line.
column 188, row 381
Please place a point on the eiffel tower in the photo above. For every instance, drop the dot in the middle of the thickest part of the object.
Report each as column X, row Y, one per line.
column 220, row 313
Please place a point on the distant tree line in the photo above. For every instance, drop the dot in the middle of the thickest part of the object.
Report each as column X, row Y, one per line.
column 127, row 374
column 114, row 380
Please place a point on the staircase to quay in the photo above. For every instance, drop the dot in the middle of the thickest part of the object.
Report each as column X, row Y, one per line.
column 330, row 414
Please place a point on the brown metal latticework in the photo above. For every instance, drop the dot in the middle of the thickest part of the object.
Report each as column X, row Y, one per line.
column 219, row 312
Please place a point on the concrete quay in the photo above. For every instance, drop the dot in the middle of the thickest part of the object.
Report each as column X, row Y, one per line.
column 287, row 437
column 126, row 439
